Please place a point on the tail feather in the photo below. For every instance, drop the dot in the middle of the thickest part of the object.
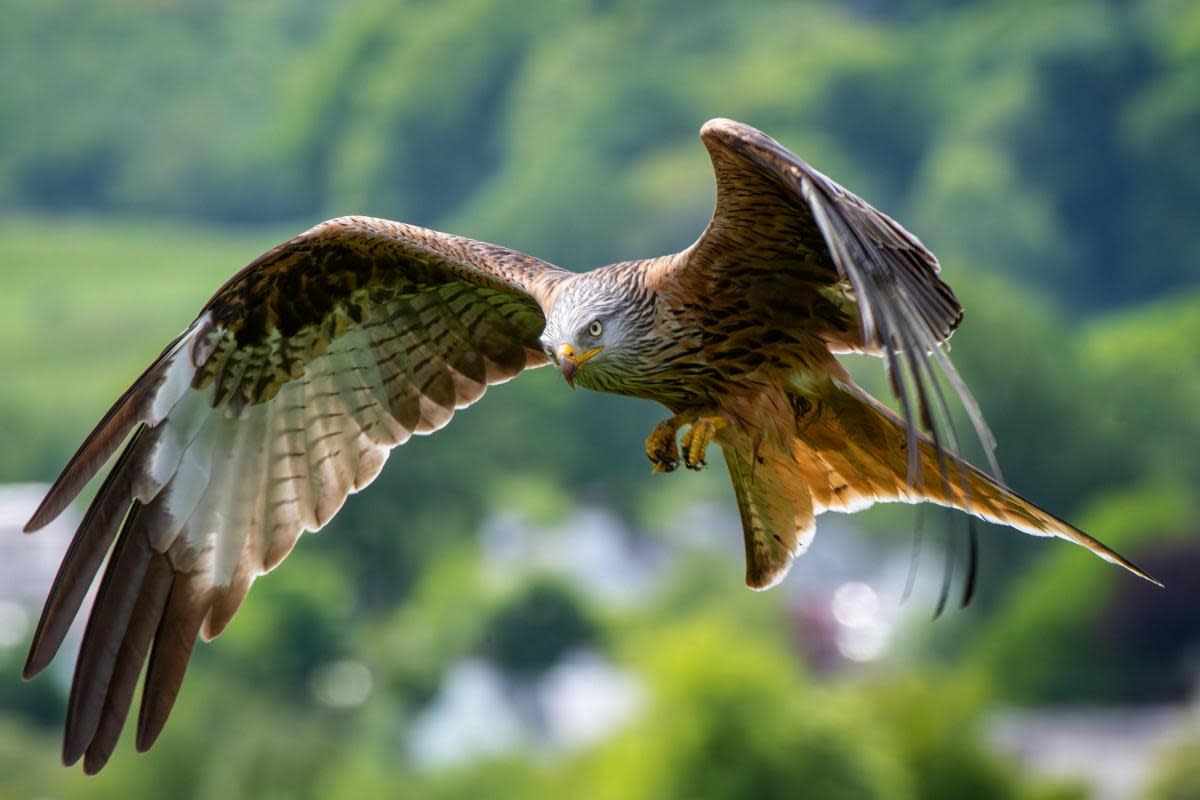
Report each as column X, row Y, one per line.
column 776, row 510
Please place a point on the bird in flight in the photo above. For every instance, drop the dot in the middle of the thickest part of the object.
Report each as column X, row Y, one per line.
column 305, row 369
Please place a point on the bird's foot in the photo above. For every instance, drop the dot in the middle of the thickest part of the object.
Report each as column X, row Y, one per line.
column 660, row 445
column 696, row 440
column 662, row 450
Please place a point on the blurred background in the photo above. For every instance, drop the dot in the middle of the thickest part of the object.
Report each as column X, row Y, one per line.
column 516, row 608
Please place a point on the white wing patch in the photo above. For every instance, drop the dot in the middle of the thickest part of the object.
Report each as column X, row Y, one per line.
column 280, row 400
column 227, row 495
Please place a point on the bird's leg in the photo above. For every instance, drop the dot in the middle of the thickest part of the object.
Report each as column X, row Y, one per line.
column 660, row 444
column 696, row 440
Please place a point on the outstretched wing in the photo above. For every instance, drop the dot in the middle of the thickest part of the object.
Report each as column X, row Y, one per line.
column 253, row 426
column 784, row 234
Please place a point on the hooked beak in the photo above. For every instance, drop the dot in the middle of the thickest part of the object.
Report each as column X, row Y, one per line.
column 570, row 363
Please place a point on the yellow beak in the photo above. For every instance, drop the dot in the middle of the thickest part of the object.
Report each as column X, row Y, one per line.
column 569, row 363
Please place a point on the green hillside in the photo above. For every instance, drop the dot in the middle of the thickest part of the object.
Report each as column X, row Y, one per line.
column 1048, row 154
column 1057, row 146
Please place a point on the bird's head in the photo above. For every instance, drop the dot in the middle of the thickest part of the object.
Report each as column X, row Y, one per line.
column 593, row 331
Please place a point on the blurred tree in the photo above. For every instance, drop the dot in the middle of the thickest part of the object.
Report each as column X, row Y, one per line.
column 934, row 722
column 536, row 627
column 1177, row 773
column 38, row 704
column 1054, row 146
column 1100, row 653
column 298, row 620
column 733, row 717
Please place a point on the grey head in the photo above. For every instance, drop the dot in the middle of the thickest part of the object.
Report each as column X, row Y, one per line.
column 601, row 329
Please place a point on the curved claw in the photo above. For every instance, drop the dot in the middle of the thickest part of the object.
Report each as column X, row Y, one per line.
column 688, row 447
column 697, row 439
column 661, row 448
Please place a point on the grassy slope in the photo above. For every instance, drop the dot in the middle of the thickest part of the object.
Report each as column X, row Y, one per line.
column 85, row 306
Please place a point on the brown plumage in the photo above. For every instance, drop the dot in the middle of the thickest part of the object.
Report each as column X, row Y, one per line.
column 287, row 392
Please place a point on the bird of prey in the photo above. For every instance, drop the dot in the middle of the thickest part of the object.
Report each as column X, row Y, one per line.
column 288, row 391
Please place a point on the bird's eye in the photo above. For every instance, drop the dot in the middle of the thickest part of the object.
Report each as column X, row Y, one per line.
column 595, row 329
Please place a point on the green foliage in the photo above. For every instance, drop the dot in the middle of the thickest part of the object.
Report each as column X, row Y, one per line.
column 934, row 723
column 1069, row 601
column 1177, row 773
column 441, row 621
column 300, row 615
column 1055, row 146
column 1149, row 362
column 85, row 306
column 506, row 779
column 733, row 717
column 1047, row 154
column 535, row 628
column 38, row 703
column 403, row 549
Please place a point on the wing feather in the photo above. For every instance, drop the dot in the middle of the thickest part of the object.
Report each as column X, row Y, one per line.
column 135, row 646
column 139, row 403
column 777, row 217
column 105, row 631
column 284, row 397
column 93, row 537
column 187, row 606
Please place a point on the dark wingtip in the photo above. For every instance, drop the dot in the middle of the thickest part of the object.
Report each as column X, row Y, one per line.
column 41, row 652
column 972, row 576
column 43, row 515
column 73, row 749
column 32, row 669
column 1113, row 557
column 148, row 733
column 1146, row 576
column 1121, row 561
column 1141, row 573
column 92, row 764
column 947, row 575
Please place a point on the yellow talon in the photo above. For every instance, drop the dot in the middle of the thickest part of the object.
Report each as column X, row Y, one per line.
column 696, row 441
column 662, row 450
column 660, row 446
